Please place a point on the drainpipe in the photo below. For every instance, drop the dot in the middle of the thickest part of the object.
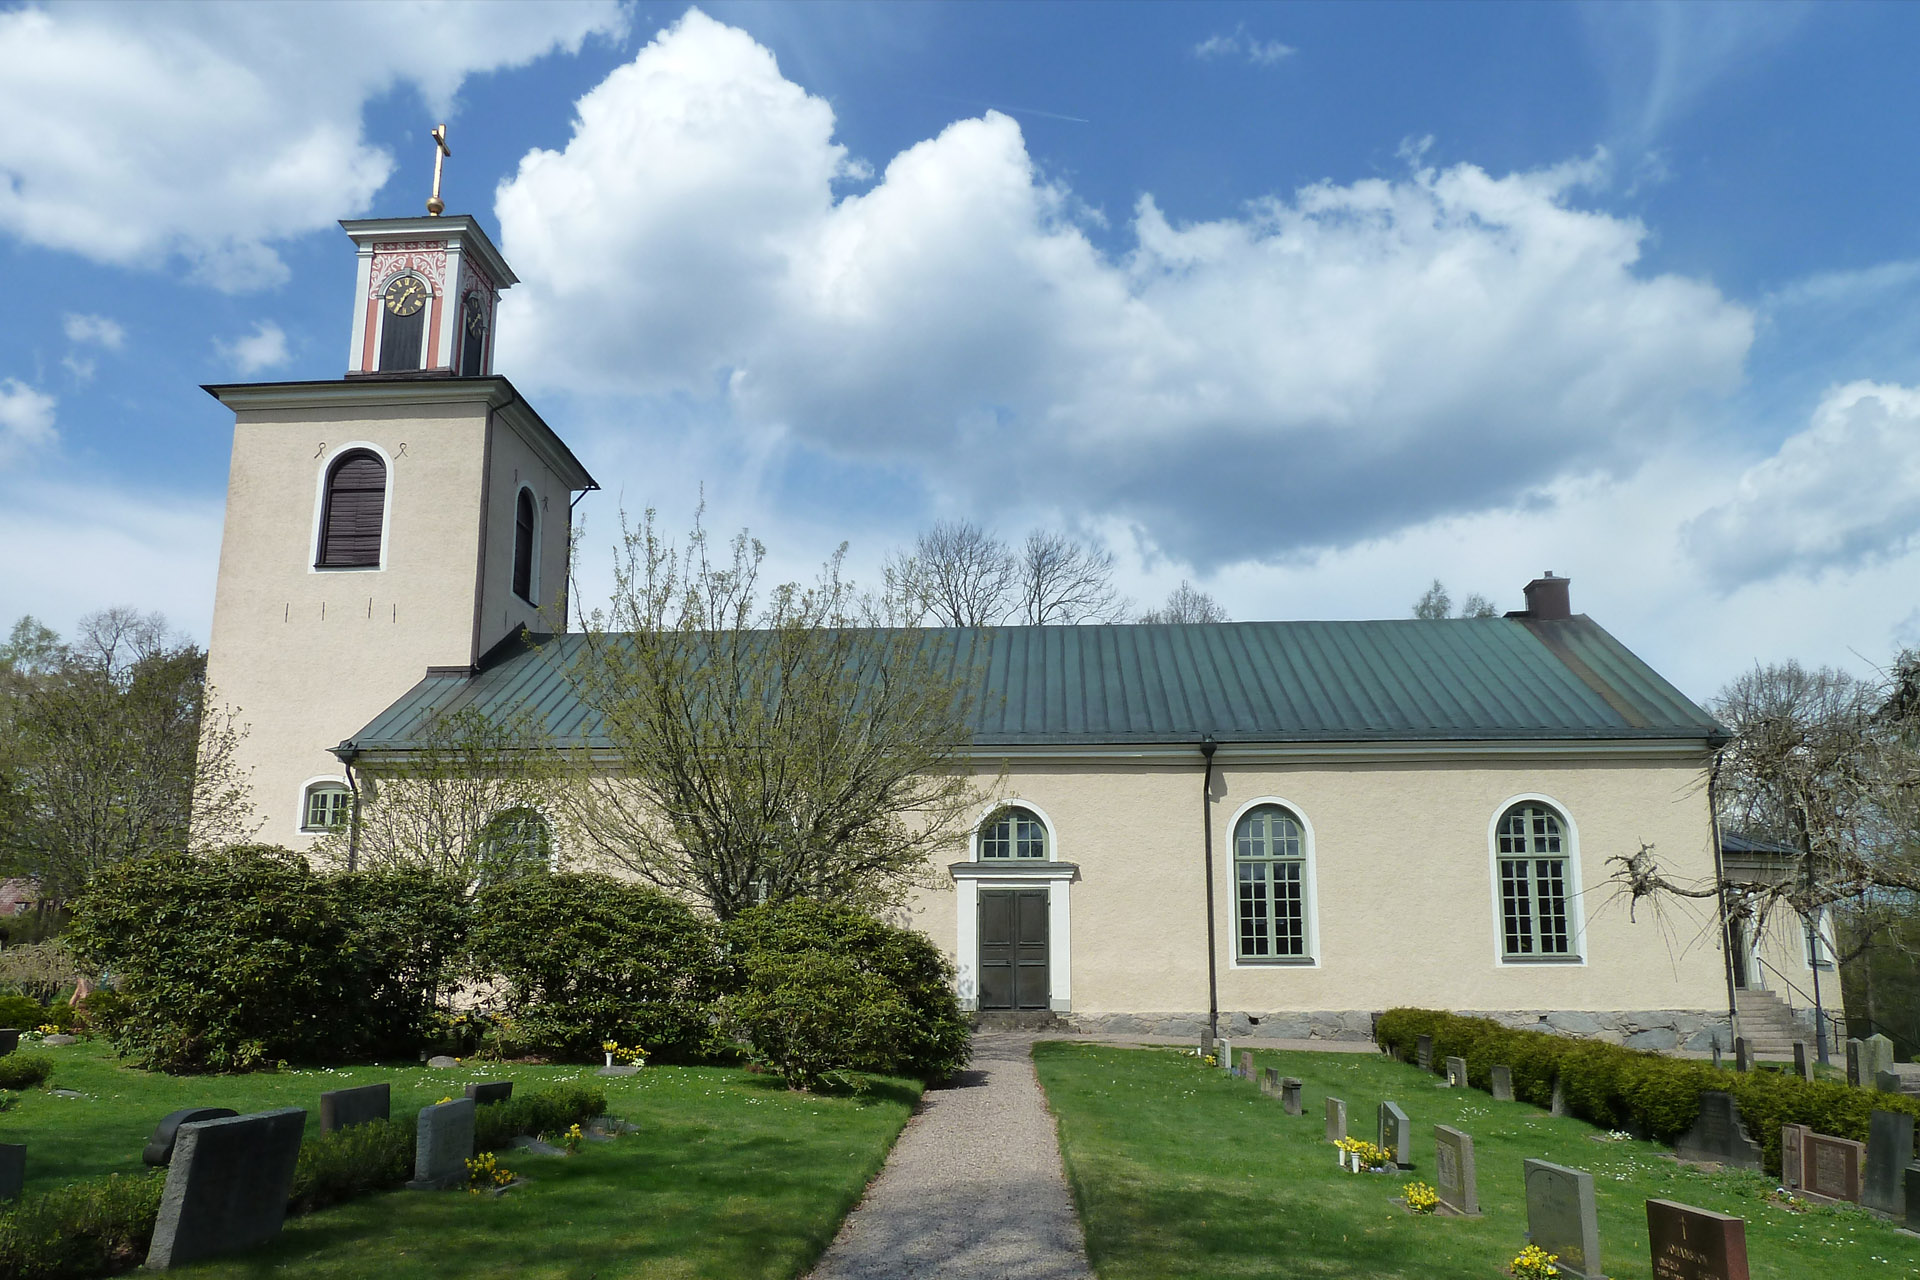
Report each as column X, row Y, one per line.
column 1720, row 892
column 1814, row 942
column 1207, row 747
column 346, row 752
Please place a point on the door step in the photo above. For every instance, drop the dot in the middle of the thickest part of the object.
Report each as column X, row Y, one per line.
column 1018, row 1020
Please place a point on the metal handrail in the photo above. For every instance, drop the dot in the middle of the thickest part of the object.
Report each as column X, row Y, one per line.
column 1836, row 1024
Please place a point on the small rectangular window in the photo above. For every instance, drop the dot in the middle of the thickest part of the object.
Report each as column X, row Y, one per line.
column 327, row 809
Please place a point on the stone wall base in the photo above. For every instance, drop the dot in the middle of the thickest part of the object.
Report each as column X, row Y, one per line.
column 1640, row 1029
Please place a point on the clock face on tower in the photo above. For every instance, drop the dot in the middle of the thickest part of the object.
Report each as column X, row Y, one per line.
column 405, row 296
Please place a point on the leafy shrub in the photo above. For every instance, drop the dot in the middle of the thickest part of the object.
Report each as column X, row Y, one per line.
column 581, row 958
column 24, row 1070
column 549, row 1110
column 90, row 1228
column 22, row 1013
column 248, row 955
column 60, row 1016
column 903, row 999
column 352, row 1162
column 101, row 1013
column 1621, row 1088
column 811, row 1012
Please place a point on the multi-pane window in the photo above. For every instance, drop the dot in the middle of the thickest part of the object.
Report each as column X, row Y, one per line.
column 1013, row 833
column 329, row 804
column 516, row 842
column 1270, row 885
column 1533, row 882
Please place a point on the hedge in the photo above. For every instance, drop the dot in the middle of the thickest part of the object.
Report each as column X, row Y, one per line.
column 1635, row 1089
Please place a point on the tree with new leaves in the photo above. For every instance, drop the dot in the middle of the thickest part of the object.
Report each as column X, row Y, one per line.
column 1436, row 603
column 767, row 743
column 1187, row 603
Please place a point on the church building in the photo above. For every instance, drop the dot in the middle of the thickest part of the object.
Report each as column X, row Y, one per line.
column 1284, row 827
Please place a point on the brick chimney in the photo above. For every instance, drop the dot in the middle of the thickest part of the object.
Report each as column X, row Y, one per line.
column 1547, row 597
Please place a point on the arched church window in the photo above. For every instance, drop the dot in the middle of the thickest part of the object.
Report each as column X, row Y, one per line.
column 1013, row 833
column 515, row 842
column 1270, row 885
column 353, row 512
column 327, row 806
column 403, row 327
column 524, row 516
column 1534, row 859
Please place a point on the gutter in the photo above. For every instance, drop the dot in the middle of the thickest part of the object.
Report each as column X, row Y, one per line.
column 1207, row 747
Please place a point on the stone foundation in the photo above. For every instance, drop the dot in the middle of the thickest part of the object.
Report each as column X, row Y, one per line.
column 1638, row 1029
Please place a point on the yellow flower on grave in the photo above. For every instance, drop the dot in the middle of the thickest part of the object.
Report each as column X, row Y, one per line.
column 1535, row 1263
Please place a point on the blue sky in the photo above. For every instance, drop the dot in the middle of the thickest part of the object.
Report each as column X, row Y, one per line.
column 1309, row 304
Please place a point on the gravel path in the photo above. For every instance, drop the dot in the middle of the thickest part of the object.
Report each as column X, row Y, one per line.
column 973, row 1188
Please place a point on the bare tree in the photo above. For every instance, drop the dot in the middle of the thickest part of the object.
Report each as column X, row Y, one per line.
column 1187, row 603
column 957, row 575
column 1435, row 603
column 1062, row 580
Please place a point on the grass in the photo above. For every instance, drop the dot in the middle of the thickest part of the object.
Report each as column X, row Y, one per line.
column 1180, row 1171
column 729, row 1175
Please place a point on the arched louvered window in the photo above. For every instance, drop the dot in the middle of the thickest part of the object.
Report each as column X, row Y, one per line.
column 523, row 518
column 355, row 506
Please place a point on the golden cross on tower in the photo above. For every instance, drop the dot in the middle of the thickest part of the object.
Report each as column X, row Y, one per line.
column 441, row 151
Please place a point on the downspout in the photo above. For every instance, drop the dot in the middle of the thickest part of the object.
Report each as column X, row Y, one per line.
column 1207, row 747
column 1720, row 891
column 347, row 752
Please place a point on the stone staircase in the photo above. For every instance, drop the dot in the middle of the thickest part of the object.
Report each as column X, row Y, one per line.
column 1768, row 1024
column 1019, row 1020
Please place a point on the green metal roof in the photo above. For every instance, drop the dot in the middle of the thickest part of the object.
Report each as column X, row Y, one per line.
column 1465, row 680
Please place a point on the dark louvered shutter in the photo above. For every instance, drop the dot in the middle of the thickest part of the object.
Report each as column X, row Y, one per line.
column 473, row 343
column 523, row 547
column 356, row 500
column 400, row 342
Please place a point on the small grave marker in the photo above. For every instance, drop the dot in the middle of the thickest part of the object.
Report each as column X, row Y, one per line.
column 1396, row 1134
column 1802, row 1067
column 1224, row 1056
column 1502, row 1084
column 1853, row 1063
column 1270, row 1082
column 1742, row 1054
column 1876, row 1055
column 1423, row 1052
column 1290, row 1096
column 1336, row 1119
column 160, row 1147
column 344, row 1108
column 1558, row 1105
column 1830, row 1168
column 13, row 1169
column 1456, row 1073
column 1562, row 1219
column 1889, row 1149
column 442, row 1061
column 1695, row 1244
column 443, row 1141
column 1792, row 1145
column 1716, row 1052
column 227, row 1186
column 1718, row 1135
column 1453, row 1171
column 491, row 1091
column 1206, row 1044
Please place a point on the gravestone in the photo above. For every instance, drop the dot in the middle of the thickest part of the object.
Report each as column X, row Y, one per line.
column 58, row 1040
column 1396, row 1134
column 1453, row 1172
column 442, row 1144
column 1502, row 1084
column 1889, row 1082
column 1270, row 1082
column 1336, row 1119
column 1456, row 1073
column 1558, row 1105
column 1423, row 1052
column 1913, row 1198
column 492, row 1091
column 1245, row 1068
column 1830, row 1168
column 1889, row 1149
column 1853, row 1063
column 1718, row 1136
column 227, row 1186
column 442, row 1061
column 344, row 1108
column 1562, row 1219
column 1695, row 1244
column 1742, row 1054
column 9, row 1040
column 1716, row 1052
column 1792, row 1156
column 1206, row 1045
column 1876, row 1055
column 160, row 1148
column 13, row 1169
column 1290, row 1095
column 1802, row 1067
column 1224, row 1056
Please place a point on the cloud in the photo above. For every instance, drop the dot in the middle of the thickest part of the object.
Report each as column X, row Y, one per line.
column 96, row 329
column 139, row 134
column 1238, row 43
column 264, row 348
column 26, row 421
column 1329, row 365
column 1843, row 492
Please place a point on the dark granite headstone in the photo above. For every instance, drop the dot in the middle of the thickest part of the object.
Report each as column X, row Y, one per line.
column 1887, row 1082
column 1558, row 1105
column 1456, row 1073
column 1336, row 1119
column 1502, row 1084
column 1206, row 1044
column 1562, row 1218
column 1889, row 1150
column 1423, row 1052
column 1396, row 1134
column 1913, row 1198
column 9, row 1040
column 1792, row 1156
column 492, row 1091
column 13, row 1169
column 1290, row 1095
column 160, row 1148
column 1742, row 1054
column 1243, row 1069
column 344, row 1108
column 1853, row 1063
column 1695, row 1244
column 1270, row 1082
column 1802, row 1065
column 1830, row 1168
column 227, row 1186
column 1453, row 1171
column 1718, row 1135
column 443, row 1142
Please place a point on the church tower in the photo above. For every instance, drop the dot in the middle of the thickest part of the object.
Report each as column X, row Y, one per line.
column 410, row 515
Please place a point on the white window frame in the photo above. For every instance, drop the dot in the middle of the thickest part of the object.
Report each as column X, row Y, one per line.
column 980, row 826
column 1309, row 889
column 327, row 459
column 1049, row 873
column 329, row 780
column 1576, row 956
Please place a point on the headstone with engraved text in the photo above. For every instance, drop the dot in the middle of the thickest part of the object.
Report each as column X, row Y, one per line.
column 1695, row 1244
column 1562, row 1217
column 1830, row 1168
column 443, row 1142
column 1454, row 1177
column 1456, row 1073
column 1395, row 1133
column 1502, row 1084
column 1718, row 1135
column 1336, row 1119
column 1423, row 1052
column 1889, row 1149
column 1792, row 1158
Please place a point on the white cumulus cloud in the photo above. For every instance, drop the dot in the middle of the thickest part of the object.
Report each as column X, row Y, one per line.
column 101, row 330
column 134, row 134
column 1842, row 492
column 264, row 348
column 1238, row 43
column 26, row 420
column 1330, row 364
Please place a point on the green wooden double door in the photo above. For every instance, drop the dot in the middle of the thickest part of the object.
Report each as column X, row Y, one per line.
column 1013, row 949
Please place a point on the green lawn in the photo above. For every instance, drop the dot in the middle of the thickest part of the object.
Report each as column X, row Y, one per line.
column 1179, row 1171
column 730, row 1175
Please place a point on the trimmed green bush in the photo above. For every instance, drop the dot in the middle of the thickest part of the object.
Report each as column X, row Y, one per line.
column 885, row 1003
column 550, row 1110
column 1632, row 1089
column 90, row 1228
column 22, row 1013
column 24, row 1070
column 584, row 958
column 353, row 1162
